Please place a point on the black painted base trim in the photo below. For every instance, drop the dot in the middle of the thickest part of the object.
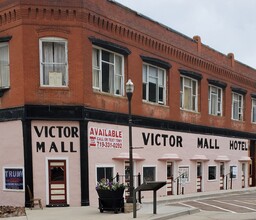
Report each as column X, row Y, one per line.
column 57, row 205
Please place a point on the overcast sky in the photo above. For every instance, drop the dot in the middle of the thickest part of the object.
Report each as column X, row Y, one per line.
column 228, row 26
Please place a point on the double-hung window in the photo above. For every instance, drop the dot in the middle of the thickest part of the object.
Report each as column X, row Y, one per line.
column 188, row 93
column 4, row 65
column 53, row 62
column 108, row 71
column 215, row 100
column 154, row 84
column 254, row 110
column 237, row 106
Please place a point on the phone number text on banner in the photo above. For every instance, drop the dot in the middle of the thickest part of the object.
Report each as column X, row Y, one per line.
column 105, row 138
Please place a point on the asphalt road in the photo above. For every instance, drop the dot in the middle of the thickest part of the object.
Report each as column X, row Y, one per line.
column 240, row 206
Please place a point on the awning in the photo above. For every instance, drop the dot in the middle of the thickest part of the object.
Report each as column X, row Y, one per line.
column 244, row 159
column 170, row 157
column 222, row 158
column 125, row 156
column 199, row 157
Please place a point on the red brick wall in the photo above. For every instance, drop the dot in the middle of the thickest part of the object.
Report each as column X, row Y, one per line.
column 76, row 21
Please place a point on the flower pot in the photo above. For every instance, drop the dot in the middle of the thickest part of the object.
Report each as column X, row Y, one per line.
column 111, row 200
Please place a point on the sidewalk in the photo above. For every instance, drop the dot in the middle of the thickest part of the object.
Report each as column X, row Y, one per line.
column 146, row 212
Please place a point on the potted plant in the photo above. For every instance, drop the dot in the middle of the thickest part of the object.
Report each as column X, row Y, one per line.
column 110, row 195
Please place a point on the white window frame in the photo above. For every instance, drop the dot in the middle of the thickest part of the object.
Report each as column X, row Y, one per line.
column 150, row 166
column 217, row 95
column 213, row 166
column 64, row 82
column 146, row 80
column 253, row 112
column 193, row 96
column 237, row 100
column 5, row 68
column 98, row 70
column 104, row 166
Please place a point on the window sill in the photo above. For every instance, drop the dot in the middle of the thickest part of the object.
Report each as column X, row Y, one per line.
column 190, row 111
column 155, row 104
column 53, row 88
column 235, row 120
column 107, row 94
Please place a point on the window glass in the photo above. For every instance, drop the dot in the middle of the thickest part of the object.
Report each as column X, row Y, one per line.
column 149, row 173
column 211, row 172
column 108, row 72
column 233, row 171
column 53, row 57
column 154, row 84
column 253, row 110
column 104, row 172
column 188, row 93
column 215, row 100
column 4, row 65
column 237, row 107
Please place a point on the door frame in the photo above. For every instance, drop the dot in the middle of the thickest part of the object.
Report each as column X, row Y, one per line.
column 47, row 196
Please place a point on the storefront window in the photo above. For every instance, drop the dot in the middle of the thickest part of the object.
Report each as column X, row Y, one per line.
column 104, row 172
column 212, row 173
column 149, row 173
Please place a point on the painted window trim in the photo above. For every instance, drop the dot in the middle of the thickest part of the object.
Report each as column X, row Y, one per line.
column 253, row 99
column 53, row 39
column 210, row 101
column 150, row 166
column 238, row 90
column 215, row 173
column 217, row 83
column 110, row 46
column 5, row 39
column 196, row 100
column 147, row 86
column 242, row 106
column 100, row 73
column 156, row 62
column 191, row 74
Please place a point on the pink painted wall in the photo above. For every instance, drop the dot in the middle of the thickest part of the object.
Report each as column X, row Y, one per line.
column 40, row 158
column 155, row 145
column 11, row 155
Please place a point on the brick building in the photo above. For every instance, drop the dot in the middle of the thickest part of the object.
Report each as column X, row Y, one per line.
column 64, row 111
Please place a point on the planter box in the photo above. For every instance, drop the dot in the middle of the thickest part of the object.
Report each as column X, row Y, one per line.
column 111, row 200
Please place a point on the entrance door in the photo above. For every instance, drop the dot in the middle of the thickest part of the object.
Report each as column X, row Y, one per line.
column 169, row 184
column 222, row 175
column 243, row 174
column 199, row 177
column 57, row 182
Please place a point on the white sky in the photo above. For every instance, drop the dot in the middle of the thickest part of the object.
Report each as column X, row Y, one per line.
column 228, row 26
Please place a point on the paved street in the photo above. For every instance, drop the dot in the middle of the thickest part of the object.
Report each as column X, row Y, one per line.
column 237, row 206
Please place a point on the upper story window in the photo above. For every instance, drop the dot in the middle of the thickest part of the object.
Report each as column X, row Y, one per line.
column 189, row 90
column 188, row 93
column 108, row 71
column 154, row 84
column 238, row 103
column 154, row 79
column 108, row 66
column 4, row 63
column 253, row 109
column 215, row 100
column 237, row 106
column 53, row 62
